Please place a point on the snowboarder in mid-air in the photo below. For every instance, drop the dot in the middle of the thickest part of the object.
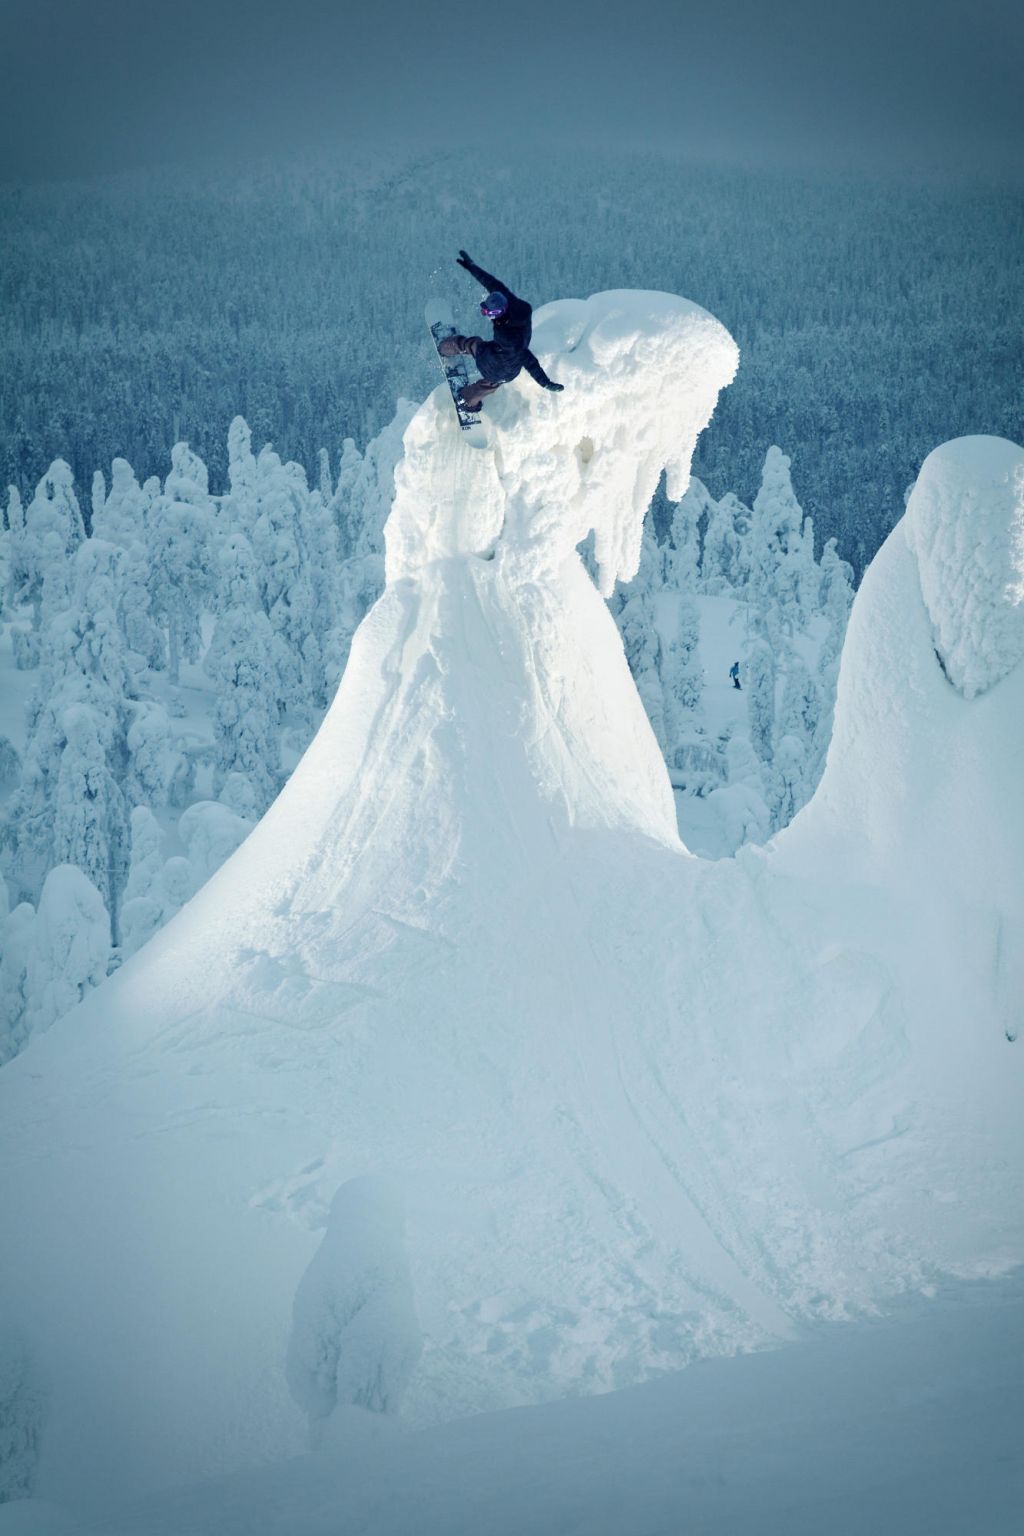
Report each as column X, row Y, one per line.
column 501, row 359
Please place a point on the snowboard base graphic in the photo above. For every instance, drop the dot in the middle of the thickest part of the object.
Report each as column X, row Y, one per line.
column 455, row 369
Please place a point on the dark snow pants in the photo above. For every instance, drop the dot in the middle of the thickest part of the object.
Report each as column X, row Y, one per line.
column 470, row 394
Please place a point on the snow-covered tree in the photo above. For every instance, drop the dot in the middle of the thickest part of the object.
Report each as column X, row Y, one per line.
column 643, row 653
column 722, row 567
column 320, row 546
column 366, row 487
column 69, row 949
column 788, row 790
column 836, row 601
column 241, row 662
column 188, row 481
column 154, row 761
column 362, row 501
column 147, row 854
column 326, row 484
column 776, row 552
column 682, row 552
column 10, row 765
column 121, row 517
column 286, row 584
column 180, row 579
column 759, row 682
column 682, row 674
column 84, row 663
column 347, row 501
column 47, row 531
column 808, row 576
column 211, row 833
column 800, row 710
column 15, row 940
column 740, row 806
column 90, row 819
column 145, row 907
column 355, row 1338
column 159, row 886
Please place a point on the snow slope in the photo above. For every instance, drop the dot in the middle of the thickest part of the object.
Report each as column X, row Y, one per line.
column 612, row 1108
column 907, row 1424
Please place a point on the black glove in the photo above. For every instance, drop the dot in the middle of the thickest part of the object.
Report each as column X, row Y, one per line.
column 556, row 387
column 464, row 259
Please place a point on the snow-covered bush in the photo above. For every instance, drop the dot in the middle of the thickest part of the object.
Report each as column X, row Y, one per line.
column 43, row 535
column 69, row 947
column 355, row 1338
column 211, row 833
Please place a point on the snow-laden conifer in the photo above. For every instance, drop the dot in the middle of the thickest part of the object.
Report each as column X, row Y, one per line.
column 836, row 600
column 123, row 519
column 211, row 833
column 721, row 567
column 15, row 940
column 90, row 819
column 682, row 673
column 143, row 909
column 682, row 554
column 48, row 530
column 759, row 673
column 180, row 577
column 241, row 662
column 69, row 948
column 642, row 645
column 787, row 780
column 154, row 761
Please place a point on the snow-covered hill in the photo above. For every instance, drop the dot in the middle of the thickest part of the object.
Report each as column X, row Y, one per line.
column 463, row 1084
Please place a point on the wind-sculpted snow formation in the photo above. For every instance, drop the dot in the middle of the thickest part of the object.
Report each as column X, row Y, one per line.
column 607, row 1107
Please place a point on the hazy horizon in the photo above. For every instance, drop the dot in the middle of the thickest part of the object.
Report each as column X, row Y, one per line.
column 104, row 85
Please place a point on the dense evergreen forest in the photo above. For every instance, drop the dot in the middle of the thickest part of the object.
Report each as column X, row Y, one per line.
column 875, row 320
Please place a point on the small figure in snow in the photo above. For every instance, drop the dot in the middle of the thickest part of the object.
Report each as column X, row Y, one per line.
column 734, row 673
column 501, row 359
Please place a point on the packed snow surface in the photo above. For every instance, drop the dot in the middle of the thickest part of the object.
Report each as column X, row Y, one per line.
column 462, row 1085
column 908, row 1424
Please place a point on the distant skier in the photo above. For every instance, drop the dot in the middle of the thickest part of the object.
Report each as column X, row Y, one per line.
column 501, row 359
column 734, row 673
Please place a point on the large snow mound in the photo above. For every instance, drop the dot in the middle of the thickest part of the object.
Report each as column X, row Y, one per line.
column 641, row 371
column 965, row 524
column 462, row 1085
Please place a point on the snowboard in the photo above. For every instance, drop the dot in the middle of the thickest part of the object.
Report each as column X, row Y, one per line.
column 455, row 369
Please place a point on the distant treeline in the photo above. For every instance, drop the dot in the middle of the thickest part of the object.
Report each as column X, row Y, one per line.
column 875, row 320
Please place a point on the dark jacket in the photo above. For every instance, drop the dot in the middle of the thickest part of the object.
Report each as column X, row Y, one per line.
column 501, row 359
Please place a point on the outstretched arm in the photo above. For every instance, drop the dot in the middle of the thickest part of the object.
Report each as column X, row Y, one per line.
column 492, row 284
column 537, row 373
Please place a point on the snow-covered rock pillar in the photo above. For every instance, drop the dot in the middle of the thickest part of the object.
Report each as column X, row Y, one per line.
column 641, row 373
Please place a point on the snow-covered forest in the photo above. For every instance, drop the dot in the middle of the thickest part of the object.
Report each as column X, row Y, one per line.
column 872, row 316
column 164, row 671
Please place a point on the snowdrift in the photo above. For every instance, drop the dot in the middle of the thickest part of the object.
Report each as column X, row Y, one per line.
column 463, row 1084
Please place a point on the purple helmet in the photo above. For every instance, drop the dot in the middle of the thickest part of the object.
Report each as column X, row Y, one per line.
column 494, row 305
